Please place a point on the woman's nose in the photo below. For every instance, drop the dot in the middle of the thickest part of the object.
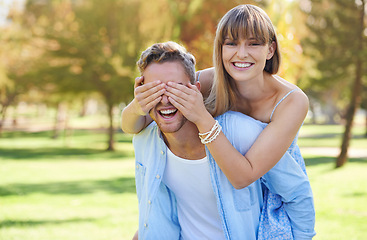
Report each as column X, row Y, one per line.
column 242, row 51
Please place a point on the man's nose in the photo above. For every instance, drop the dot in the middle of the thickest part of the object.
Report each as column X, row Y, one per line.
column 164, row 99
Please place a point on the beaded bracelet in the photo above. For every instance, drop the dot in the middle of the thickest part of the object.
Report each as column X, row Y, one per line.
column 210, row 136
column 211, row 130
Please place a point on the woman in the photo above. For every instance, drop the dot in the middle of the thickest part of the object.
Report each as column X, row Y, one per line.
column 246, row 57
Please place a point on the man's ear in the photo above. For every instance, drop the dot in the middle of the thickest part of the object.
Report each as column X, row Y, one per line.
column 198, row 85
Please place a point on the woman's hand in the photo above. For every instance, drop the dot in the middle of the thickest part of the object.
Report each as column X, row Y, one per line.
column 147, row 95
column 189, row 101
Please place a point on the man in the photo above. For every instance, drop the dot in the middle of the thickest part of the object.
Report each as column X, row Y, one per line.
column 182, row 192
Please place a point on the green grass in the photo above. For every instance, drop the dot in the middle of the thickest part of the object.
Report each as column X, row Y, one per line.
column 71, row 188
column 330, row 136
column 340, row 197
column 340, row 194
column 66, row 188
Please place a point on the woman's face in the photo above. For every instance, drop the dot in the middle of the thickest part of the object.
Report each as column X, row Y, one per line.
column 245, row 59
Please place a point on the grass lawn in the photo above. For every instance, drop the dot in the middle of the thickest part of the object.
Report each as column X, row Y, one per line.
column 53, row 190
column 71, row 188
column 340, row 198
column 330, row 136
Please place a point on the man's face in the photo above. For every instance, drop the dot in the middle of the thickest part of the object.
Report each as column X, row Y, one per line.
column 168, row 118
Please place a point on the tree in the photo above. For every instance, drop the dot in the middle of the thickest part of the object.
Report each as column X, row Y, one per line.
column 17, row 59
column 338, row 46
column 92, row 47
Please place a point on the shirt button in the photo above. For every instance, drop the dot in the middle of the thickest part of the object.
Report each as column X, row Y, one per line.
column 150, row 202
column 137, row 166
column 145, row 225
column 157, row 177
column 162, row 152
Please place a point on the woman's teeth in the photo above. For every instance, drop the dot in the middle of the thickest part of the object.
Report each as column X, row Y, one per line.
column 242, row 65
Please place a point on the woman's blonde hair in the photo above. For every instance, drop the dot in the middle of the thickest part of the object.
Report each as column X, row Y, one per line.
column 238, row 23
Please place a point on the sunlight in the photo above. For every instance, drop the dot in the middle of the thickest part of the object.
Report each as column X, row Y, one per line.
column 6, row 5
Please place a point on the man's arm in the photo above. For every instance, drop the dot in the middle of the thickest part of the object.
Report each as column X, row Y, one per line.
column 288, row 180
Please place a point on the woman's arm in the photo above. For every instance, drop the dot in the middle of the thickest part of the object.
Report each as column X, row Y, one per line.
column 206, row 80
column 136, row 237
column 135, row 116
column 268, row 148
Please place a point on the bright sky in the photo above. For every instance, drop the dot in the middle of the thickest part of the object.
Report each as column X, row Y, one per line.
column 5, row 5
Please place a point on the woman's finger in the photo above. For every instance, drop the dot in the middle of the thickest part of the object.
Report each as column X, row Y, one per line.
column 148, row 89
column 138, row 81
column 179, row 87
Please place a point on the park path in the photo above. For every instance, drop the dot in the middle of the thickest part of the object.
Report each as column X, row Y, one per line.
column 334, row 152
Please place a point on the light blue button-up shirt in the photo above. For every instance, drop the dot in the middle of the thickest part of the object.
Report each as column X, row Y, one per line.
column 241, row 211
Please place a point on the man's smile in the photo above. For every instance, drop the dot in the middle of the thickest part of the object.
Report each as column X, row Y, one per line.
column 167, row 113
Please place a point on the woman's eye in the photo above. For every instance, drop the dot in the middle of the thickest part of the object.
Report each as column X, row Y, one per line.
column 230, row 43
column 255, row 44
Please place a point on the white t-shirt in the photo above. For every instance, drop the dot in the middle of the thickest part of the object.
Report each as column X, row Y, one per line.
column 196, row 203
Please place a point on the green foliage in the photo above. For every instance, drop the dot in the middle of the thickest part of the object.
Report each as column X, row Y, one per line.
column 17, row 58
column 90, row 47
column 93, row 47
column 333, row 45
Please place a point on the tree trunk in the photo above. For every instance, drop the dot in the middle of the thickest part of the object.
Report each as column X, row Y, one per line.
column 111, row 145
column 2, row 118
column 313, row 116
column 330, row 109
column 60, row 118
column 356, row 96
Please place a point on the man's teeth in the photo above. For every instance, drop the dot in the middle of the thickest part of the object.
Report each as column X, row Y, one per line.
column 168, row 111
column 242, row 65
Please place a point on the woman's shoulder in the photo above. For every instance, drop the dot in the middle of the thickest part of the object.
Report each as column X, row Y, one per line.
column 290, row 98
column 205, row 74
column 206, row 78
column 286, row 89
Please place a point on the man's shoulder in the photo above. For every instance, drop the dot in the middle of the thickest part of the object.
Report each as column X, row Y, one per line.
column 240, row 129
column 147, row 132
column 231, row 118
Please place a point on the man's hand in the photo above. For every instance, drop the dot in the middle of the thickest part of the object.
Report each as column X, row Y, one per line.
column 147, row 95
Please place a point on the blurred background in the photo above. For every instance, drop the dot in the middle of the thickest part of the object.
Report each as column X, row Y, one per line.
column 67, row 69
